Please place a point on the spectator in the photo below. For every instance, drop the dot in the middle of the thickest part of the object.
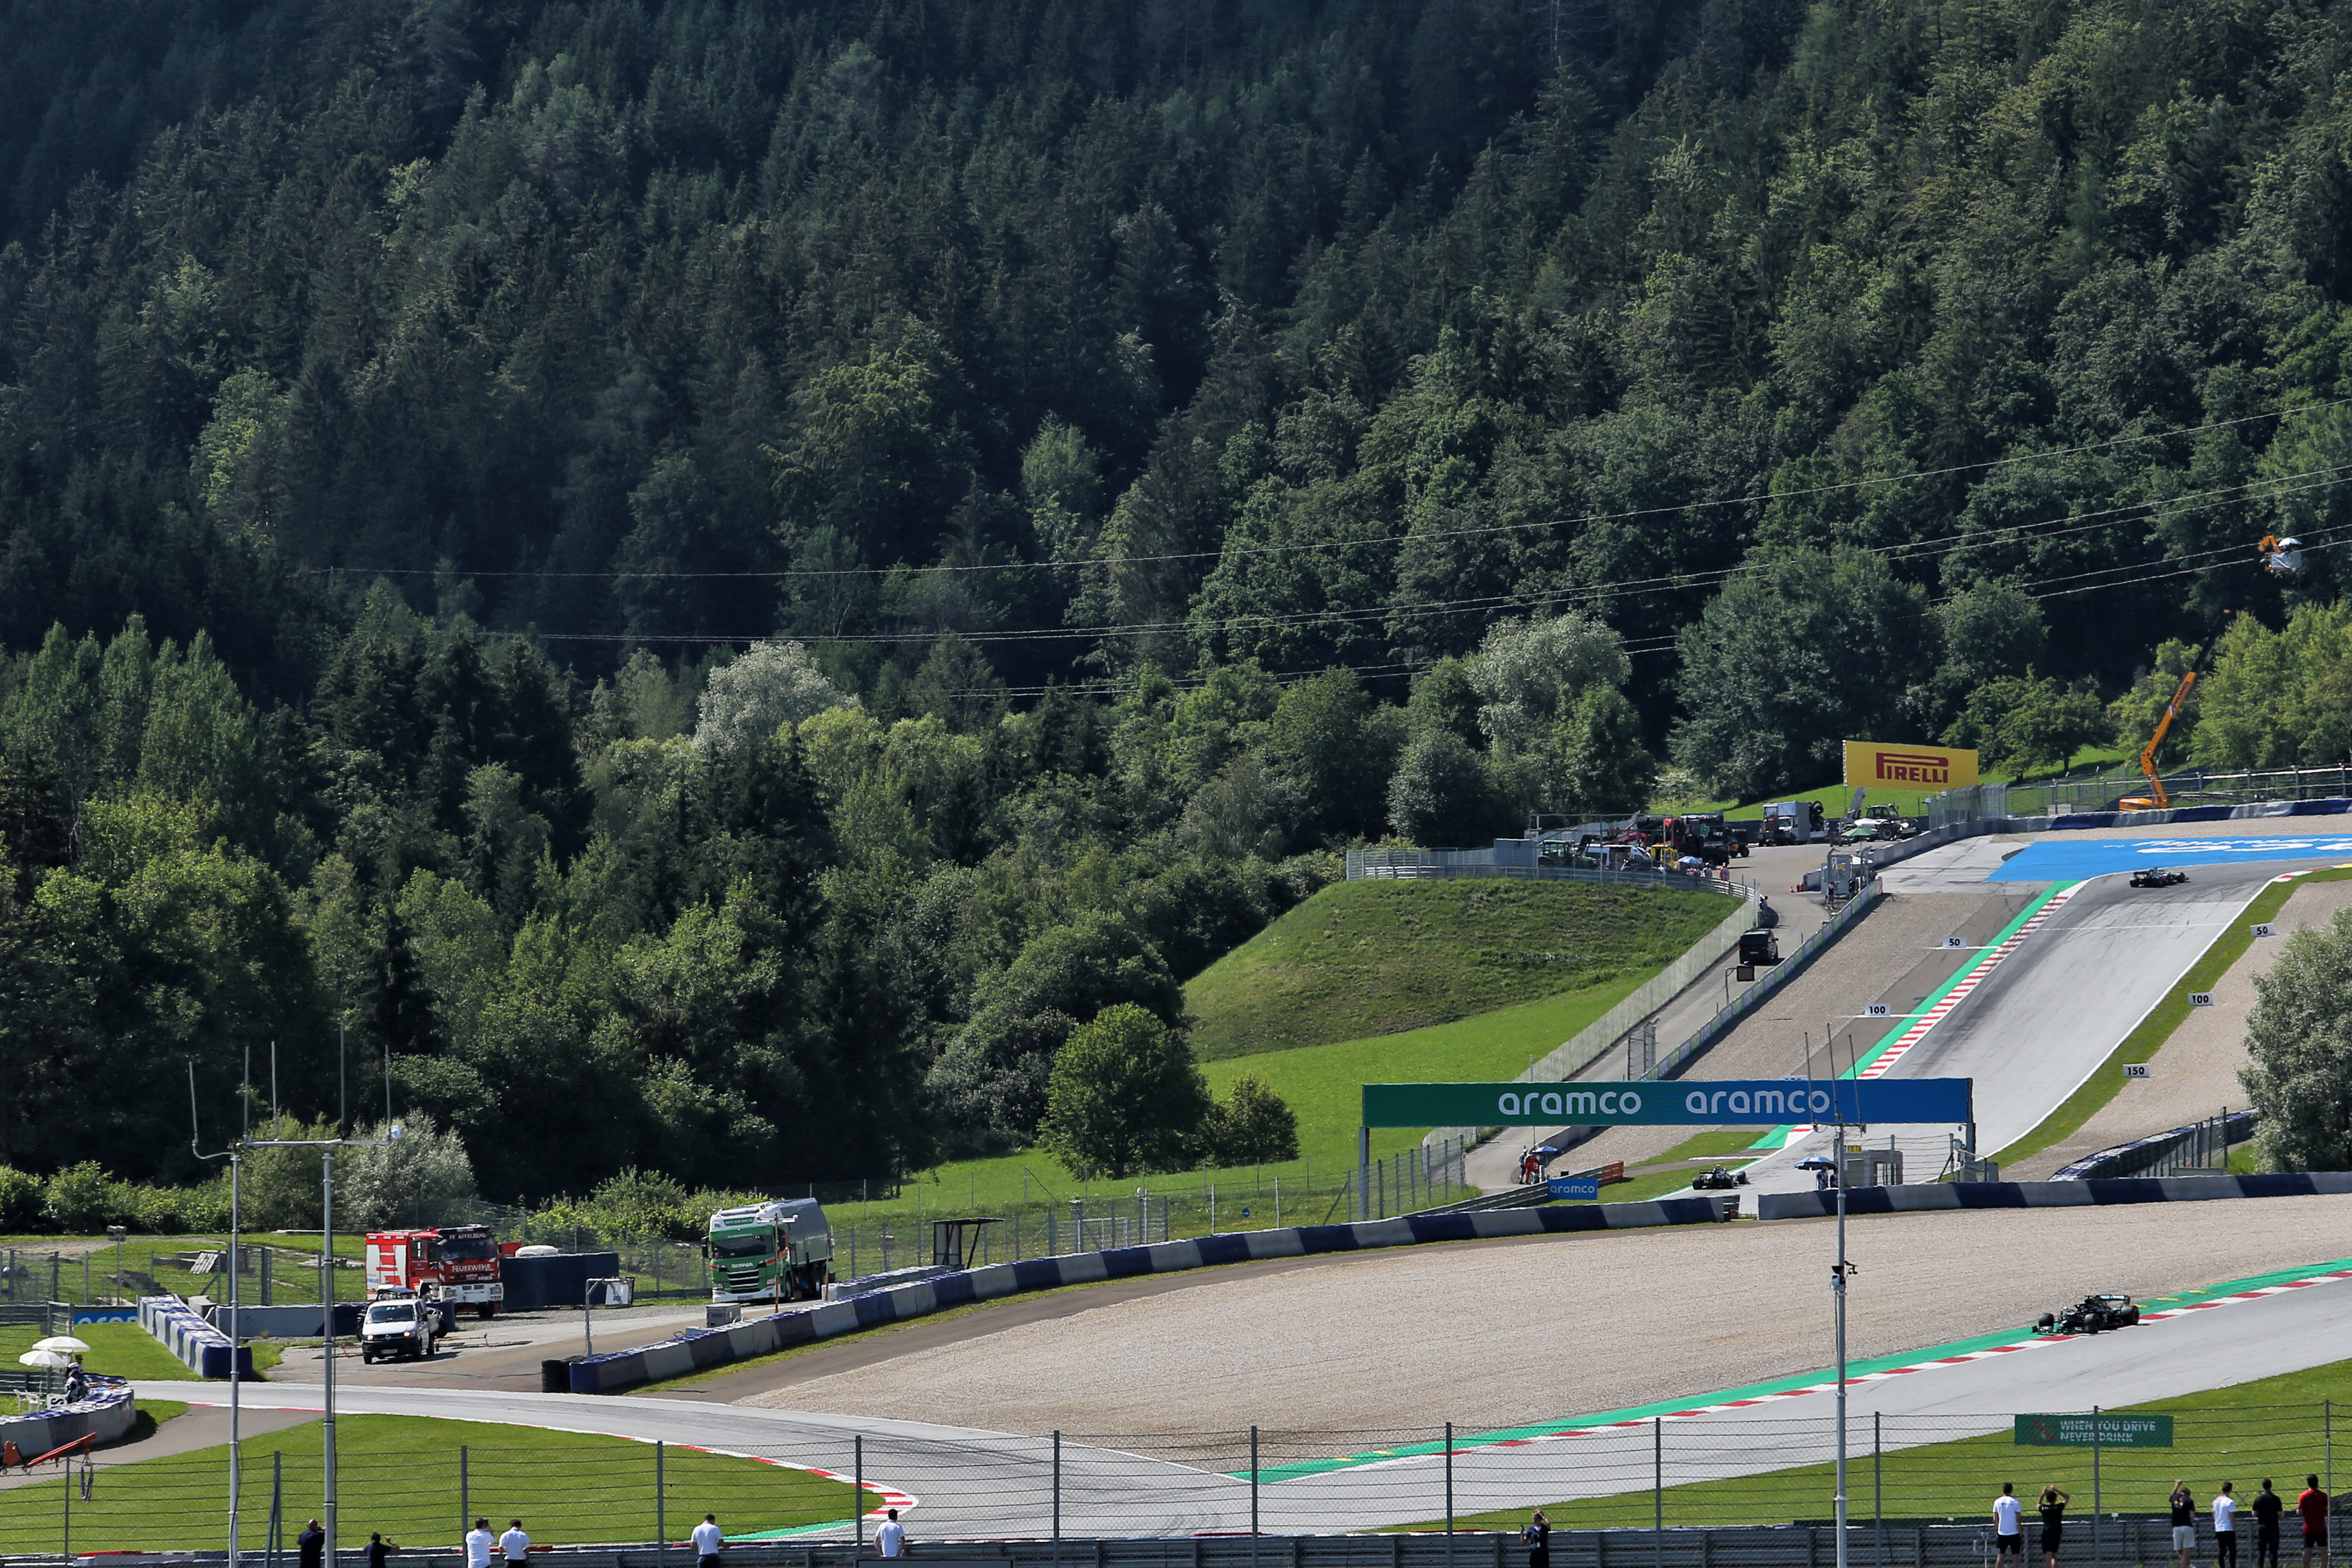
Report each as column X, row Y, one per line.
column 378, row 1548
column 514, row 1545
column 2267, row 1506
column 2054, row 1521
column 708, row 1540
column 2312, row 1506
column 1537, row 1538
column 2184, row 1521
column 478, row 1541
column 2007, row 1528
column 891, row 1539
column 310, row 1546
column 2225, row 1528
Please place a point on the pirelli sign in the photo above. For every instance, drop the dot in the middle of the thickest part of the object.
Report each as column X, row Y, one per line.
column 1872, row 765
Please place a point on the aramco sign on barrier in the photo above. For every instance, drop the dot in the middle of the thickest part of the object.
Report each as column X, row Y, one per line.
column 1723, row 1102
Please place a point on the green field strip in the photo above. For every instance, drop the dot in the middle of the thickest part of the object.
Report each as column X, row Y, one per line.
column 1778, row 1386
column 2157, row 1026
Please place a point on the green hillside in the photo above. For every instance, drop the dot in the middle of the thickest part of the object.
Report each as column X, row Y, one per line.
column 1369, row 958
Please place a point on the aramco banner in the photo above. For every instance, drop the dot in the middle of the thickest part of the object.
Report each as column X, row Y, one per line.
column 1870, row 764
column 1687, row 1103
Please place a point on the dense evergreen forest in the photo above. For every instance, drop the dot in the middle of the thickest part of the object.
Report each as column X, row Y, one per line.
column 711, row 580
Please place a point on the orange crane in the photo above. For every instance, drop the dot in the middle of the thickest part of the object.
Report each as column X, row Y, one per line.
column 2155, row 799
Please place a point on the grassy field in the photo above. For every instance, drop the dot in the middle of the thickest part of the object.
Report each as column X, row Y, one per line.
column 294, row 1273
column 2277, row 1427
column 2167, row 1015
column 119, row 1350
column 1366, row 958
column 400, row 1475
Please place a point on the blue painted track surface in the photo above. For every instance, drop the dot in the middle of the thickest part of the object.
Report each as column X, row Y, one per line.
column 2064, row 862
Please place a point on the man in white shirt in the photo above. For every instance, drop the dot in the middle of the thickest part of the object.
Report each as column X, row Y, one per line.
column 2225, row 1528
column 478, row 1541
column 514, row 1545
column 892, row 1537
column 2008, row 1526
column 708, row 1540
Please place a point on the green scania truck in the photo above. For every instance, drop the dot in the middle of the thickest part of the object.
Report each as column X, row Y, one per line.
column 777, row 1251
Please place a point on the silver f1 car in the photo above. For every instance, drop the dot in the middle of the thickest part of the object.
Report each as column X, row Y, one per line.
column 2157, row 877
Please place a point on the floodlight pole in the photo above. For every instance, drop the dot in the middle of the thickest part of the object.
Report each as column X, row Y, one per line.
column 235, row 1239
column 1837, row 1298
column 327, row 1147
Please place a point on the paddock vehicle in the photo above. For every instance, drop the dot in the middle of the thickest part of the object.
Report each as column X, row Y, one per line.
column 2157, row 877
column 1699, row 835
column 2091, row 1315
column 1718, row 1180
column 1760, row 947
column 779, row 1250
column 1792, row 821
column 399, row 1327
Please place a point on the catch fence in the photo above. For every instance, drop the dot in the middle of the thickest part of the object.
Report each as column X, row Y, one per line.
column 1919, row 1485
column 2186, row 787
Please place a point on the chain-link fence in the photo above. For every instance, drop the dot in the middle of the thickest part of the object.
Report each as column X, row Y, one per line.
column 1736, row 1470
column 2187, row 787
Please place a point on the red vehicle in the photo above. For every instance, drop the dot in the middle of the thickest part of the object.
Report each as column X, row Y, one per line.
column 458, row 1264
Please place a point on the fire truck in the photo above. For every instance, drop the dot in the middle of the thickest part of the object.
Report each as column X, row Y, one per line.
column 458, row 1264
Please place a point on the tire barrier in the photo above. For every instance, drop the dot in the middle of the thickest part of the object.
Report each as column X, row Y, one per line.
column 107, row 1415
column 1913, row 1198
column 698, row 1349
column 2129, row 1159
column 202, row 1348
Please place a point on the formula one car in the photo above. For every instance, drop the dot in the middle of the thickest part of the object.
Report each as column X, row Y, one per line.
column 2157, row 877
column 2091, row 1315
column 1718, row 1180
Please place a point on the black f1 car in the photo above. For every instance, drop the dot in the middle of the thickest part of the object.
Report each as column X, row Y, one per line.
column 2091, row 1315
column 1718, row 1180
column 2157, row 877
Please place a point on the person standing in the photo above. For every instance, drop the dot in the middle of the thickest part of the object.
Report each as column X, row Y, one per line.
column 310, row 1546
column 2267, row 1506
column 1537, row 1539
column 2007, row 1528
column 514, row 1545
column 708, row 1542
column 2225, row 1528
column 378, row 1548
column 2184, row 1521
column 891, row 1539
column 2313, row 1507
column 2054, row 1521
column 478, row 1541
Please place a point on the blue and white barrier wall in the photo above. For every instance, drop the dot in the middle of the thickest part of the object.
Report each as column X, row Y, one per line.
column 1918, row 1195
column 701, row 1347
column 203, row 1348
column 107, row 1415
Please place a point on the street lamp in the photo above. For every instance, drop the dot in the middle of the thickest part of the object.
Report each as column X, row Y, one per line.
column 326, row 1147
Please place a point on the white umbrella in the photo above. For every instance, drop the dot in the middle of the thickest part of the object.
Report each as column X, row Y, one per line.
column 44, row 1358
column 66, row 1342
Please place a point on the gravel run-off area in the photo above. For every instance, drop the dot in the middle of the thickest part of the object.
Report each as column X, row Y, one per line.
column 1489, row 1334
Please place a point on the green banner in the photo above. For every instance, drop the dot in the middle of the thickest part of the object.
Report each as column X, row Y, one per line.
column 2077, row 1431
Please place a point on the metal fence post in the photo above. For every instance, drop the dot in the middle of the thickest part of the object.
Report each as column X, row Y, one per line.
column 1658, row 1489
column 1058, row 1488
column 857, row 1494
column 661, row 1498
column 464, row 1492
column 1449, row 1495
column 1253, row 1483
column 2096, row 1558
column 1879, row 1482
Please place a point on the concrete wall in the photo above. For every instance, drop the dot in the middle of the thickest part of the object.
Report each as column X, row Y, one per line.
column 107, row 1415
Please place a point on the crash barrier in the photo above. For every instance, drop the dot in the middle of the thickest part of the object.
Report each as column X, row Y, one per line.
column 285, row 1323
column 106, row 1414
column 1530, row 1195
column 558, row 1281
column 700, row 1348
column 1595, row 1039
column 1506, row 859
column 2197, row 1142
column 203, row 1348
column 1917, row 1196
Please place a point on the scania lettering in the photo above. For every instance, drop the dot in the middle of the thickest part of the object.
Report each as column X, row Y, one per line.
column 456, row 1265
column 777, row 1251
